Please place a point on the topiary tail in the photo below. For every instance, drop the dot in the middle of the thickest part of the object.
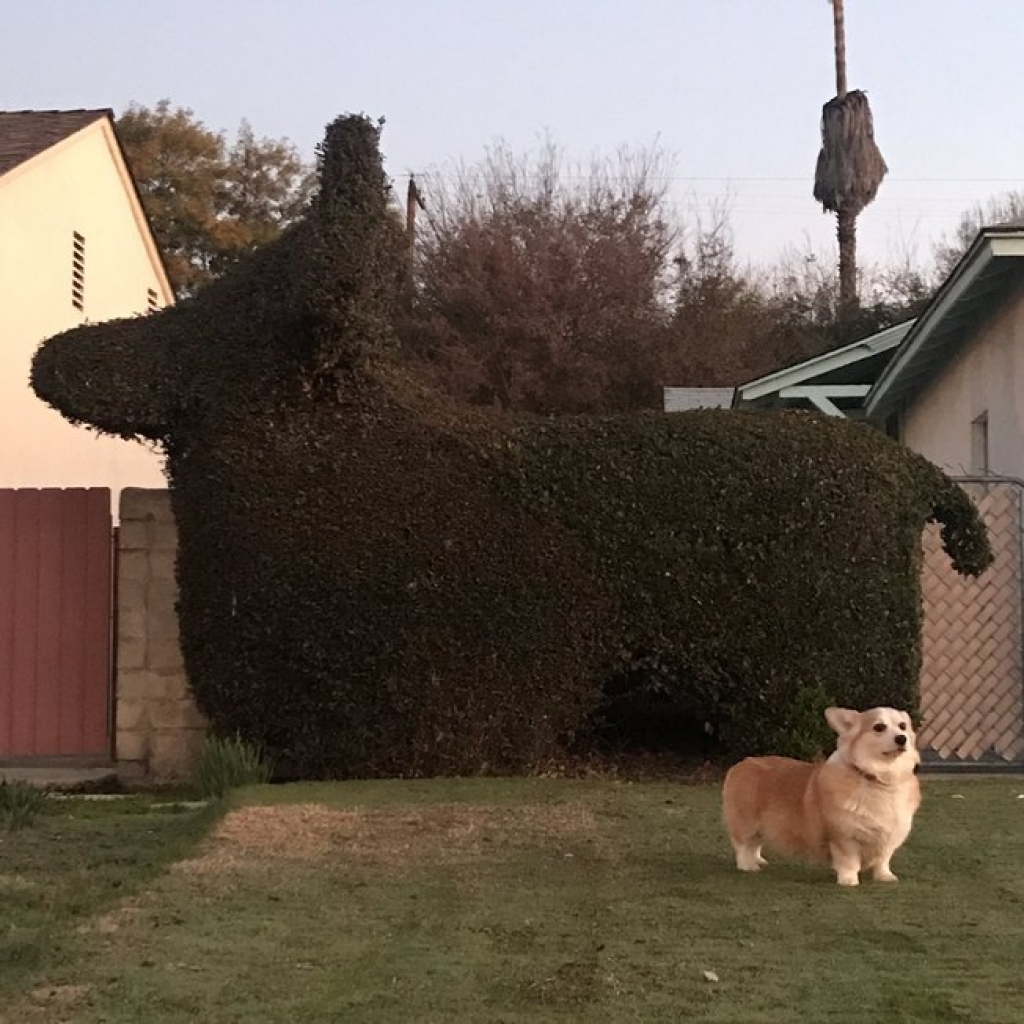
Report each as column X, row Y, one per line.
column 964, row 535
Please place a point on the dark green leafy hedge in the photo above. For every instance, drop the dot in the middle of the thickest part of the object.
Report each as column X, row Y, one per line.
column 375, row 583
column 758, row 560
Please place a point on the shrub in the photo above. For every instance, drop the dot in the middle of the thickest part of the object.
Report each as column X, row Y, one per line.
column 762, row 564
column 375, row 582
column 20, row 802
column 226, row 764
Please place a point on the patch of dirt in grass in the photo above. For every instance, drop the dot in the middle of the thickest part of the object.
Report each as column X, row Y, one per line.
column 15, row 883
column 58, row 995
column 569, row 985
column 395, row 838
column 113, row 920
column 48, row 1004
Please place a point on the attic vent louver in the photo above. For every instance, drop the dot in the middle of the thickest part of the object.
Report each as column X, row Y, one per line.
column 78, row 271
column 152, row 304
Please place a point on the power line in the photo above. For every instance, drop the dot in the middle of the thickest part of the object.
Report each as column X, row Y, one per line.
column 889, row 178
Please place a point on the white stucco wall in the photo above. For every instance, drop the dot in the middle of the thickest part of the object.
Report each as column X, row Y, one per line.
column 75, row 186
column 986, row 377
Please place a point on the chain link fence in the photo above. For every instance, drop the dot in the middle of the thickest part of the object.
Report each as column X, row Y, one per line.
column 972, row 678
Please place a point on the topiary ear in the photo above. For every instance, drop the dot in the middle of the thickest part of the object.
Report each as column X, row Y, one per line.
column 118, row 376
column 349, row 160
column 349, row 256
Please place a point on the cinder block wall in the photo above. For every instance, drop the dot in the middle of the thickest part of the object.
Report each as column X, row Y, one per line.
column 159, row 731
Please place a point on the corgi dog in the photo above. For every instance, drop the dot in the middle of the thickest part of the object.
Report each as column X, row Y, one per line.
column 853, row 811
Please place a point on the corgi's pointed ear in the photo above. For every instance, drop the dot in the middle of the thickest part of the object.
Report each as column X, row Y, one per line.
column 842, row 720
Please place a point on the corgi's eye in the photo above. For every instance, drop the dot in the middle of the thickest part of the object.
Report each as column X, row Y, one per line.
column 879, row 727
column 903, row 726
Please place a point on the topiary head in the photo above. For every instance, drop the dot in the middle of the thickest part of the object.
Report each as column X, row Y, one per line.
column 299, row 313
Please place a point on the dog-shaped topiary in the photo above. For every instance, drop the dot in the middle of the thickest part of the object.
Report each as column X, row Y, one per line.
column 374, row 582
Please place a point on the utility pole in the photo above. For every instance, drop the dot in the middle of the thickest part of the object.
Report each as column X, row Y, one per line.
column 413, row 201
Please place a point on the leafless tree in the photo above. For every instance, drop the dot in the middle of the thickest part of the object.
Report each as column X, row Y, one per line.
column 1007, row 208
column 541, row 285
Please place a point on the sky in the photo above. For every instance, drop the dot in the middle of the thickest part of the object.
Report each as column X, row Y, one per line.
column 730, row 91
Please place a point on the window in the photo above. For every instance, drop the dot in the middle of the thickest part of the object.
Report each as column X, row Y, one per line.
column 152, row 303
column 894, row 426
column 979, row 445
column 78, row 270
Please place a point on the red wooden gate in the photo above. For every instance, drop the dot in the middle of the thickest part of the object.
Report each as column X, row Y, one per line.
column 55, row 616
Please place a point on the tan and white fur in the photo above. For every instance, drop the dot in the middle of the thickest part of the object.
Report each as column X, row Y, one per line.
column 853, row 811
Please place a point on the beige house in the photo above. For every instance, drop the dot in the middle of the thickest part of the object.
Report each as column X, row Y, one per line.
column 954, row 391
column 75, row 246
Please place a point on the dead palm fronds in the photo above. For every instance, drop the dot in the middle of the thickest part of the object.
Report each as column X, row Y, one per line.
column 850, row 165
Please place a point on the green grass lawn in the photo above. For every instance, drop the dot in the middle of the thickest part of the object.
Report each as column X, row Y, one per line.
column 501, row 901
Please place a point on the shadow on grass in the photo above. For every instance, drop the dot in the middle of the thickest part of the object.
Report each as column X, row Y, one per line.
column 78, row 860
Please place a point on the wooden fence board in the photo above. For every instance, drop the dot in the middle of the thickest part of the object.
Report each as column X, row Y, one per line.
column 55, row 616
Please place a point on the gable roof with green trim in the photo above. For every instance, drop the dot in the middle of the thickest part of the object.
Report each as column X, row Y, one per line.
column 834, row 382
column 978, row 284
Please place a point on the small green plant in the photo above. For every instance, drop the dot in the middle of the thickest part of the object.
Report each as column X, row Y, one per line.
column 19, row 804
column 803, row 731
column 226, row 763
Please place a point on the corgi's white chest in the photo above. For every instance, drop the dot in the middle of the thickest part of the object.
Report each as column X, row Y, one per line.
column 875, row 814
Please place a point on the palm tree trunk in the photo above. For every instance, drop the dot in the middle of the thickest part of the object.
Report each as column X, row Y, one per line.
column 846, row 232
column 840, row 37
column 846, row 222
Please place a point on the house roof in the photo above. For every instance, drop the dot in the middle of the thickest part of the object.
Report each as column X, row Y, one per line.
column 835, row 380
column 977, row 284
column 27, row 133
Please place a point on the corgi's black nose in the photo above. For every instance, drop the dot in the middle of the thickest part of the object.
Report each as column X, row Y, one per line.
column 901, row 740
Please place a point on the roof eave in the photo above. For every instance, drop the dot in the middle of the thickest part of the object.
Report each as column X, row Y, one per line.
column 142, row 220
column 991, row 244
column 772, row 383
